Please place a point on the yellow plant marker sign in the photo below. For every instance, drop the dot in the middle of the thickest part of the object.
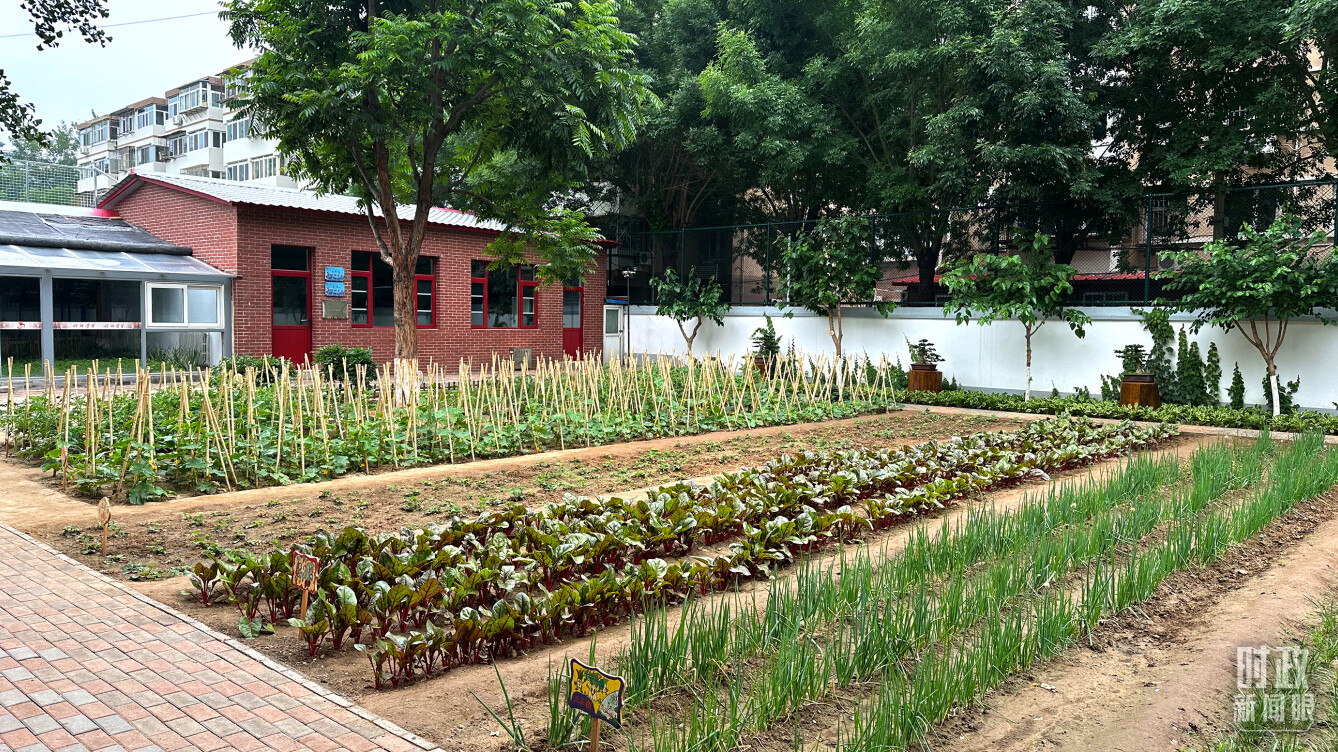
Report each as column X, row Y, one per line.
column 596, row 694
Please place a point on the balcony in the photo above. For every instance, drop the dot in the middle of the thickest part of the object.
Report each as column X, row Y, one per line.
column 211, row 157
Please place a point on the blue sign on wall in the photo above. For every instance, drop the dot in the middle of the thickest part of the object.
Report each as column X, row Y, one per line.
column 334, row 274
column 334, row 289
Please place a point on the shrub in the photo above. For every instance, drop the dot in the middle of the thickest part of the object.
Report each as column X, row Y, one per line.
column 339, row 358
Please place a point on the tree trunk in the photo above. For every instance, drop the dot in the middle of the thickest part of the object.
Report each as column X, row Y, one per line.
column 1273, row 384
column 689, row 338
column 1026, row 396
column 1219, row 205
column 406, row 333
column 834, row 328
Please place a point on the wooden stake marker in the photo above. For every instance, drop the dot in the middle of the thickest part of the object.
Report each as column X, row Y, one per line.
column 104, row 518
column 306, row 575
column 598, row 695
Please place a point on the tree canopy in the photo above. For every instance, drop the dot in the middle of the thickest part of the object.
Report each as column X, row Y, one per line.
column 690, row 298
column 492, row 106
column 51, row 19
column 1029, row 288
column 1258, row 283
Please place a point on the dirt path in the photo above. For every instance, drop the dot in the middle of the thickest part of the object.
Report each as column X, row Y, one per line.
column 444, row 709
column 1166, row 681
column 29, row 501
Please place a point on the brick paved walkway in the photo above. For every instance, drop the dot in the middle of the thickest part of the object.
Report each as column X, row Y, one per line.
column 87, row 664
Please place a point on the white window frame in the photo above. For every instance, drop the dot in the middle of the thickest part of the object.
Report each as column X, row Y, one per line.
column 185, row 288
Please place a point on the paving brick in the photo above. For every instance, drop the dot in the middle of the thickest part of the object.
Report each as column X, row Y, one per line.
column 87, row 665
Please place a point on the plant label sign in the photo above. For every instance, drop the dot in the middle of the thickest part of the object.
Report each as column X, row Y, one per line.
column 104, row 518
column 306, row 572
column 596, row 694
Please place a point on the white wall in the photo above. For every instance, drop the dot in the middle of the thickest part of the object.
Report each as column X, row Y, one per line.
column 993, row 357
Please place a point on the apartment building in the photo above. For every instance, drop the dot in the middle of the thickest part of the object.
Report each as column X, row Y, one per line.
column 191, row 130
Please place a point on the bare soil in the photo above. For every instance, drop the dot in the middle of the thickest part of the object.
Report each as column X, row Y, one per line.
column 1163, row 679
column 444, row 709
column 156, row 541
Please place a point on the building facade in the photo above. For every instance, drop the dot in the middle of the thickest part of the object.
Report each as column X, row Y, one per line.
column 306, row 272
column 191, row 130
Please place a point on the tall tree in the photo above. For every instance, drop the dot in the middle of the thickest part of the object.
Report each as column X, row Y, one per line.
column 1257, row 284
column 495, row 106
column 61, row 146
column 1029, row 288
column 51, row 19
column 1206, row 95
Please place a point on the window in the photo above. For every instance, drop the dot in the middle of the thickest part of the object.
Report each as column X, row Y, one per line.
column 176, row 145
column 216, row 139
column 372, row 291
column 239, row 171
column 147, row 154
column 186, row 306
column 150, row 116
column 127, row 123
column 504, row 298
column 191, row 97
column 264, row 167
column 97, row 133
column 238, row 129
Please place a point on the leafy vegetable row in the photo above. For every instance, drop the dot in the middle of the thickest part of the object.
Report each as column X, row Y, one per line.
column 476, row 590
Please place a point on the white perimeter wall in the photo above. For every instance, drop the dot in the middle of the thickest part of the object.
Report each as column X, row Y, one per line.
column 993, row 357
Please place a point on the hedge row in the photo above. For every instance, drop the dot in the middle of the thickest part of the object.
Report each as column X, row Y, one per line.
column 1225, row 417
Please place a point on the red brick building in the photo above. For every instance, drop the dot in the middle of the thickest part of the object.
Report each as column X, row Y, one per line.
column 307, row 273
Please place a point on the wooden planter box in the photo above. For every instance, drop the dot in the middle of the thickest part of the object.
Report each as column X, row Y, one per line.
column 1139, row 389
column 925, row 378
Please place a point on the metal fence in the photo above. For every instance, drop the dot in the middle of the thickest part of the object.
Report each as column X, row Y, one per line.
column 1116, row 253
column 42, row 183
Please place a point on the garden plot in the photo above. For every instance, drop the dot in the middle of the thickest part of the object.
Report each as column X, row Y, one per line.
column 812, row 510
column 159, row 540
column 225, row 430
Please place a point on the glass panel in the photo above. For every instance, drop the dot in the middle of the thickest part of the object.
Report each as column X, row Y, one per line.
column 167, row 305
column 611, row 321
column 571, row 309
column 527, row 273
column 362, row 262
column 289, row 258
column 476, row 304
column 424, row 265
column 291, row 305
column 358, row 304
column 105, row 345
column 202, row 305
column 478, row 269
column 424, row 302
column 24, row 347
column 96, row 300
column 502, row 298
column 383, row 293
column 20, row 300
column 185, row 349
column 527, row 305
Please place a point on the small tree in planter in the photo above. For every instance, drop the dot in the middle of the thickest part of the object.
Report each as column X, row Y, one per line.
column 1257, row 284
column 1031, row 290
column 689, row 299
column 924, row 376
column 829, row 267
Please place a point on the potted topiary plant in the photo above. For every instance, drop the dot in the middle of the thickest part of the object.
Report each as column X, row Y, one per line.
column 766, row 347
column 1137, row 386
column 924, row 374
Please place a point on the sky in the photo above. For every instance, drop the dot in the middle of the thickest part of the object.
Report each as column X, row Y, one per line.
column 76, row 79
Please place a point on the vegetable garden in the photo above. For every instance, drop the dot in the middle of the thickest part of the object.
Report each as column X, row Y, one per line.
column 227, row 429
column 425, row 600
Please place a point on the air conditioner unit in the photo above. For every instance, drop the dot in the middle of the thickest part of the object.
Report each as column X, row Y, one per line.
column 1168, row 263
column 644, row 258
column 178, row 120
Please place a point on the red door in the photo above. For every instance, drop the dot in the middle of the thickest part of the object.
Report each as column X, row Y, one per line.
column 573, row 336
column 290, row 275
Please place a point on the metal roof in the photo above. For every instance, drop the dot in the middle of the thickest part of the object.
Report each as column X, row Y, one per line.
column 21, row 260
column 29, row 228
column 251, row 194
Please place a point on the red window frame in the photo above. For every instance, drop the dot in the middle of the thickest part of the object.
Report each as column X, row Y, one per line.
column 431, row 279
column 522, row 285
